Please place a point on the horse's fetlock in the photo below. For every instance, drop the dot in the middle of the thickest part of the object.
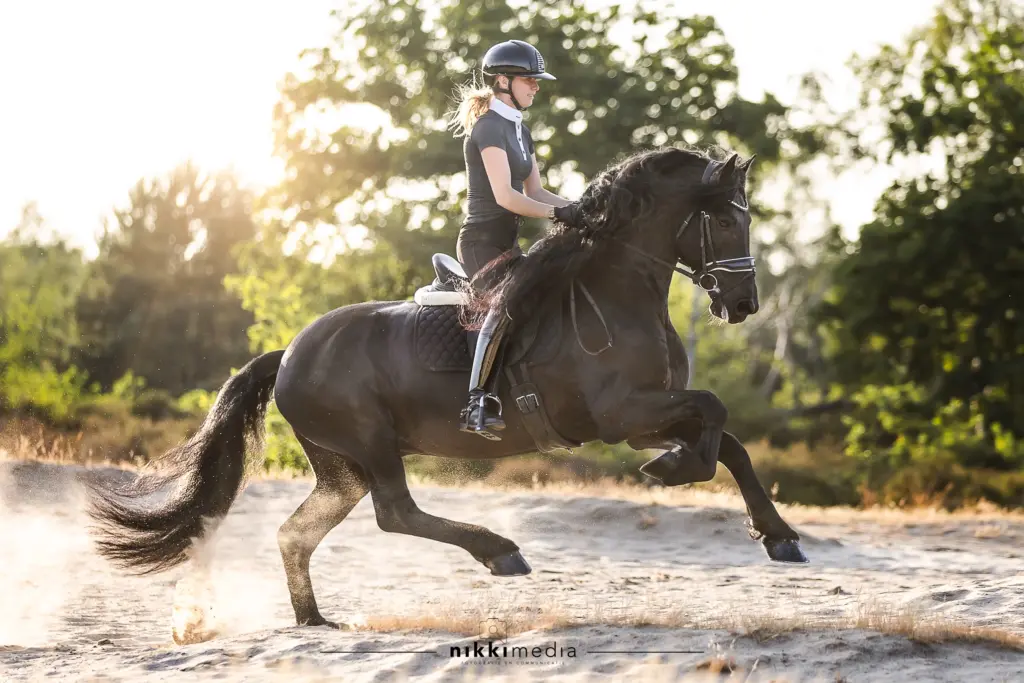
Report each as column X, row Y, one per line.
column 703, row 472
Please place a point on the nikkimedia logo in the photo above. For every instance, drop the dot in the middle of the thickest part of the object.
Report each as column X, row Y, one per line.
column 497, row 650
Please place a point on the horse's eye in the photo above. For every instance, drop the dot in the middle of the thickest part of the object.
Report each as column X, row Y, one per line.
column 724, row 222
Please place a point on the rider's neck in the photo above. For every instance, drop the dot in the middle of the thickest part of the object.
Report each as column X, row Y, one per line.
column 505, row 98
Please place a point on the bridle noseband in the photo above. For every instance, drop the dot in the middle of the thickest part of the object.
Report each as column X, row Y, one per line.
column 705, row 277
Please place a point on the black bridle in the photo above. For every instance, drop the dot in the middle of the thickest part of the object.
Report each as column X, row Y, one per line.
column 705, row 277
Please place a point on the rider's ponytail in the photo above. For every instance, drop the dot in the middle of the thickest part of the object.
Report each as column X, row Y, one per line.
column 474, row 101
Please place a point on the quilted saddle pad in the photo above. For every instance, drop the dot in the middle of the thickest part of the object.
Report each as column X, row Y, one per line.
column 441, row 340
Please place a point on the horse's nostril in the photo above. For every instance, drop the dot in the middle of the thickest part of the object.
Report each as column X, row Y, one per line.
column 746, row 307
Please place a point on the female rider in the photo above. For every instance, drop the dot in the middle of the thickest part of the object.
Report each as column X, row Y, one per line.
column 504, row 185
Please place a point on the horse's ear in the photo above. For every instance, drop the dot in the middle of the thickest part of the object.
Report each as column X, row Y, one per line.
column 727, row 171
column 745, row 166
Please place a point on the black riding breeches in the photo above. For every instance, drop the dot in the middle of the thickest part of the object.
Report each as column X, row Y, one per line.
column 475, row 253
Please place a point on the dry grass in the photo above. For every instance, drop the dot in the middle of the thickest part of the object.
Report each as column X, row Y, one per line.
column 718, row 665
column 934, row 630
column 120, row 440
column 569, row 480
column 38, row 449
column 891, row 621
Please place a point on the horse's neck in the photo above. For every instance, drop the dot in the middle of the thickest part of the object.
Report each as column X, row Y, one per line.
column 630, row 280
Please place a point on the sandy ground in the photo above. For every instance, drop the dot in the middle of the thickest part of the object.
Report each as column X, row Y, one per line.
column 598, row 563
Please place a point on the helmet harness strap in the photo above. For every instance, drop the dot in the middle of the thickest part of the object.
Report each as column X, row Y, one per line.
column 508, row 91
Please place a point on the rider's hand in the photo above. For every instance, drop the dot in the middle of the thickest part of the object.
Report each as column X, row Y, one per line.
column 570, row 214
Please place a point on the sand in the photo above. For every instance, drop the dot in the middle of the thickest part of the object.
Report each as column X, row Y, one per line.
column 600, row 567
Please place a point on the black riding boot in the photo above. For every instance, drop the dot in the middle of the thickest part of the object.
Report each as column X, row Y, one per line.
column 483, row 414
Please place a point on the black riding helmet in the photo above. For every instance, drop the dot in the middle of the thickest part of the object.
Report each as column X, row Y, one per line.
column 514, row 58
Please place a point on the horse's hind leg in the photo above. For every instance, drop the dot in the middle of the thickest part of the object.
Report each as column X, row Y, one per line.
column 340, row 485
column 398, row 513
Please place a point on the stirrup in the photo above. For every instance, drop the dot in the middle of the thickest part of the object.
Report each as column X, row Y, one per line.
column 476, row 419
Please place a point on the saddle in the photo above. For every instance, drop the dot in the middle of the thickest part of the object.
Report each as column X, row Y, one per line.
column 442, row 345
column 441, row 341
column 444, row 290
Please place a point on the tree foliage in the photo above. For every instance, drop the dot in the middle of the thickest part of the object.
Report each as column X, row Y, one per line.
column 914, row 328
column 155, row 302
column 39, row 280
column 930, row 298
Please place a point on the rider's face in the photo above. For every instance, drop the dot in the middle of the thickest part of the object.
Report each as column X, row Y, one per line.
column 524, row 89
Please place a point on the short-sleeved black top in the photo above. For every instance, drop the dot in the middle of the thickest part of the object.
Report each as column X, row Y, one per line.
column 494, row 130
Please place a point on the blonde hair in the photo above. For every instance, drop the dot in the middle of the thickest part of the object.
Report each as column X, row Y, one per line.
column 474, row 101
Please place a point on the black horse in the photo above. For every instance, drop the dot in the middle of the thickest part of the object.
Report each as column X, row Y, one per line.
column 367, row 384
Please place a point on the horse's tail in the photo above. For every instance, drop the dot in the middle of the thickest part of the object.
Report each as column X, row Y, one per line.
column 202, row 478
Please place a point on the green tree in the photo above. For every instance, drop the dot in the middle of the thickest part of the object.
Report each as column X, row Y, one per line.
column 401, row 184
column 929, row 303
column 39, row 279
column 155, row 302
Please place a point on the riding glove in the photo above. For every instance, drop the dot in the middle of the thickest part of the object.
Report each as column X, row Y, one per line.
column 570, row 214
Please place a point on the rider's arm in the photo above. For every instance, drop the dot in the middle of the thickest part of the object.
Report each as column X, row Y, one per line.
column 534, row 188
column 496, row 164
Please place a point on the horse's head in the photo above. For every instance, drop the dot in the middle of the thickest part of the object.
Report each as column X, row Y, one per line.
column 681, row 205
column 664, row 206
column 675, row 205
column 713, row 240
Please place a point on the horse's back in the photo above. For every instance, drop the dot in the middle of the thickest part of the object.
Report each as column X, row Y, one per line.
column 361, row 368
column 335, row 357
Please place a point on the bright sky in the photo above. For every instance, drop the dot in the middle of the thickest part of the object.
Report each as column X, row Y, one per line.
column 98, row 94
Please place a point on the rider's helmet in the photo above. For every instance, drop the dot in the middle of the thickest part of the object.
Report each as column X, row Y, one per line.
column 514, row 58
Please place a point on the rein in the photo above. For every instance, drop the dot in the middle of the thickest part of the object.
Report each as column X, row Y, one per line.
column 597, row 310
column 704, row 278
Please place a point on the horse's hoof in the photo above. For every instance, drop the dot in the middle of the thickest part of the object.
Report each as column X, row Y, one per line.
column 786, row 550
column 510, row 564
column 320, row 621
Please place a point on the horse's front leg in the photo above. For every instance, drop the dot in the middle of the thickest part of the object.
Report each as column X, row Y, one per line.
column 678, row 464
column 654, row 412
column 781, row 541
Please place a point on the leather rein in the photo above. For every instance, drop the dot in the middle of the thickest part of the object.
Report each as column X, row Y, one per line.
column 704, row 278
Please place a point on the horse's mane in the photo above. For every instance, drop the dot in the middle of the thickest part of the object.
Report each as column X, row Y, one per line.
column 616, row 198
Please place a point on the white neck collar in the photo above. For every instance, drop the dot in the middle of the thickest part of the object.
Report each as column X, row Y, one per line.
column 505, row 111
